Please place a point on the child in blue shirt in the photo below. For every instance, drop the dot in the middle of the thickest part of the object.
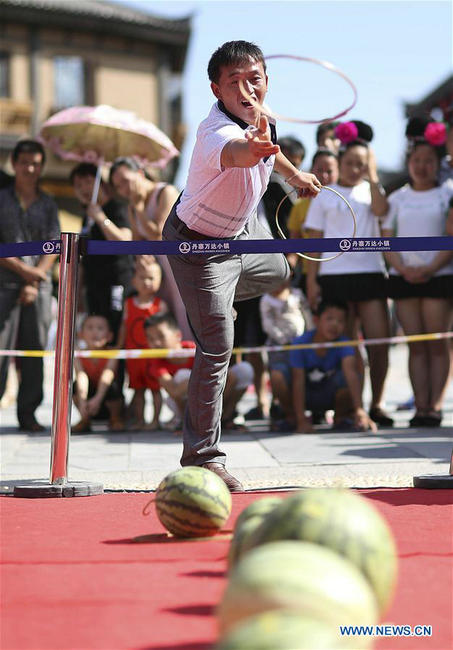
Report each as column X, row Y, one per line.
column 327, row 378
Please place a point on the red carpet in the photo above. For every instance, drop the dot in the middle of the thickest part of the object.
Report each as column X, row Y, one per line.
column 73, row 580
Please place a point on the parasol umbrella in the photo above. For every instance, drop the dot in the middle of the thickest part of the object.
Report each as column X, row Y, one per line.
column 101, row 133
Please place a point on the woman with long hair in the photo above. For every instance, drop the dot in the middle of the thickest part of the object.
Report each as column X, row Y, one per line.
column 421, row 282
column 359, row 280
column 150, row 202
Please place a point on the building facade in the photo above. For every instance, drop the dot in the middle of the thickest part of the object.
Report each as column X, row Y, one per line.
column 60, row 53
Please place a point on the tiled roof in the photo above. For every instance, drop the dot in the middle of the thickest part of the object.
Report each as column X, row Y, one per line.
column 443, row 91
column 96, row 10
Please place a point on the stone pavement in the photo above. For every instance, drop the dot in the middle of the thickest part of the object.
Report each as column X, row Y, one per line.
column 259, row 458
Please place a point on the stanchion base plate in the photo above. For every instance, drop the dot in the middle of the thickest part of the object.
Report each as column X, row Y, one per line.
column 434, row 482
column 42, row 490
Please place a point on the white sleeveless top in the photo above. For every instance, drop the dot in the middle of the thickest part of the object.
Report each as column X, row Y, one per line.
column 151, row 208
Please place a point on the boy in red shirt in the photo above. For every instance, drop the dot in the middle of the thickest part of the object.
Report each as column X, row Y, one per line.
column 173, row 373
column 146, row 281
column 95, row 384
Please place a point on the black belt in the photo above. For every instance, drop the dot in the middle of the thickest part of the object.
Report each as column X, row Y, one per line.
column 187, row 232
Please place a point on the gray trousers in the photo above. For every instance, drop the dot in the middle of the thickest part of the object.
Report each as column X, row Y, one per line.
column 209, row 284
column 26, row 328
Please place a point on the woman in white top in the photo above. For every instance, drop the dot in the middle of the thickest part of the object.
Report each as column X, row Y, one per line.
column 421, row 282
column 150, row 203
column 357, row 279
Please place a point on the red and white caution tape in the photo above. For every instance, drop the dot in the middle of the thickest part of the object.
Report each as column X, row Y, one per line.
column 190, row 352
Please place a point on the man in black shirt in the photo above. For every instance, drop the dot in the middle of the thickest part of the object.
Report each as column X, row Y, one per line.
column 106, row 278
column 26, row 214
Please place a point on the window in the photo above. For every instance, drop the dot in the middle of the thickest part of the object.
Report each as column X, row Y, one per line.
column 4, row 74
column 69, row 81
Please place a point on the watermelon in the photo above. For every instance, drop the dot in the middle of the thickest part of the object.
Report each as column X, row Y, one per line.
column 343, row 521
column 281, row 630
column 249, row 519
column 193, row 502
column 306, row 578
column 258, row 508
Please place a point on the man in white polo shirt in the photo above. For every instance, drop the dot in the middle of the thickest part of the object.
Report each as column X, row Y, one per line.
column 228, row 174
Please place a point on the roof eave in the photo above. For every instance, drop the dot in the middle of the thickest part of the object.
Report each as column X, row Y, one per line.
column 431, row 99
column 178, row 36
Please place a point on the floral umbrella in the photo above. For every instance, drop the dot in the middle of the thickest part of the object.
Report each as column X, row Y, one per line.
column 101, row 133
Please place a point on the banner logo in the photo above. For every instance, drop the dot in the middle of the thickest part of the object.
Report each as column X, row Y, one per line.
column 345, row 244
column 184, row 247
column 48, row 247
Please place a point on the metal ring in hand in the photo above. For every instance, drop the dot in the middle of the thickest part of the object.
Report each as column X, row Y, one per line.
column 308, row 257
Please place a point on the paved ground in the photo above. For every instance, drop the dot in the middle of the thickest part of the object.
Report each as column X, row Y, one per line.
column 259, row 458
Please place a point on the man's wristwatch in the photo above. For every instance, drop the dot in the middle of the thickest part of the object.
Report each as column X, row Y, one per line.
column 106, row 222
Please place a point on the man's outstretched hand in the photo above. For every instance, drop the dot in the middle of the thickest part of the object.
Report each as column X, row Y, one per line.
column 259, row 139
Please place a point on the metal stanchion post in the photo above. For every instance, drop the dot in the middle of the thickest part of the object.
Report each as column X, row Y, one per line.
column 62, row 395
column 64, row 354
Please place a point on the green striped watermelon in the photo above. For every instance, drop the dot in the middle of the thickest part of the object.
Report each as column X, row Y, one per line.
column 193, row 502
column 306, row 578
column 343, row 521
column 259, row 509
column 249, row 519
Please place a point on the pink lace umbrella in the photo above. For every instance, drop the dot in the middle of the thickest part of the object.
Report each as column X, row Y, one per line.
column 100, row 134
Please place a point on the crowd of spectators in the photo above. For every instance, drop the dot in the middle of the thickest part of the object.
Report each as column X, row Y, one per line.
column 132, row 302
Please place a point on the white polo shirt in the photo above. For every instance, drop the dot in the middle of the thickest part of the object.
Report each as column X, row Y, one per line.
column 216, row 201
